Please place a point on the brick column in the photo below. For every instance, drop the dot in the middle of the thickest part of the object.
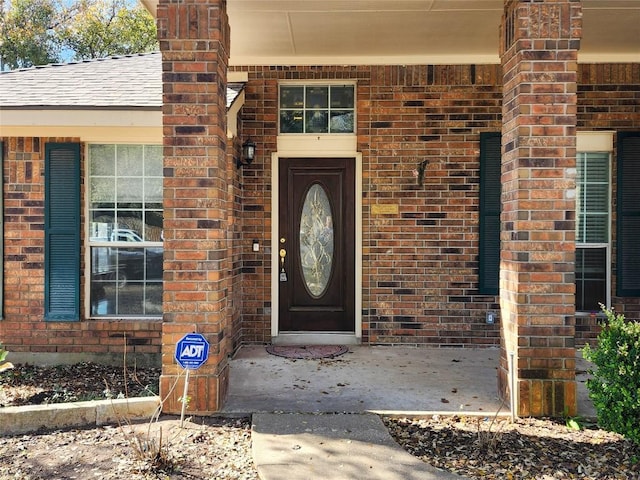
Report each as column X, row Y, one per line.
column 194, row 40
column 540, row 42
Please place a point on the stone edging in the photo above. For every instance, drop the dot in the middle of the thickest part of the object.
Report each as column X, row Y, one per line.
column 31, row 418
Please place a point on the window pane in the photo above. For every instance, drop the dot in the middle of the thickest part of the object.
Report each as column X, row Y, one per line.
column 129, row 161
column 130, row 299
column 591, row 279
column 153, row 226
column 102, row 225
column 130, row 226
column 103, row 262
column 593, row 167
column 316, row 240
column 342, row 96
column 317, row 97
column 291, row 121
column 596, row 198
column 341, row 121
column 152, row 160
column 317, row 121
column 153, row 299
column 291, row 97
column 130, row 190
column 103, row 297
column 102, row 190
column 153, row 190
column 131, row 262
column 126, row 207
column 124, row 279
column 103, row 159
column 153, row 263
column 592, row 226
column 317, row 109
column 596, row 228
column 592, row 191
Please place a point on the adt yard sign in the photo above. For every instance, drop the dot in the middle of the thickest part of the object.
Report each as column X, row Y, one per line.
column 192, row 351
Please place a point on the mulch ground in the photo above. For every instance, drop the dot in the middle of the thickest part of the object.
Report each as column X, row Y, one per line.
column 530, row 448
column 219, row 448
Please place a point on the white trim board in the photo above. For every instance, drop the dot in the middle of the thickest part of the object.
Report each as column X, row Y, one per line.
column 314, row 149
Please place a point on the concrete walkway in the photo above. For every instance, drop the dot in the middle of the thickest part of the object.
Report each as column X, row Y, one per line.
column 314, row 419
column 366, row 379
column 337, row 446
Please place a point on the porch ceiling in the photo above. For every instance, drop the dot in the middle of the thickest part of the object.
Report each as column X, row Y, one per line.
column 317, row 32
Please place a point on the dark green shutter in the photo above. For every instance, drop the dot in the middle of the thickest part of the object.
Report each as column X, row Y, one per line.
column 1, row 232
column 62, row 231
column 490, row 202
column 628, row 251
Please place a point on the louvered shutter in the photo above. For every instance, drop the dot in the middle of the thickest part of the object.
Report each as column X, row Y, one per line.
column 628, row 251
column 62, row 231
column 1, row 231
column 490, row 202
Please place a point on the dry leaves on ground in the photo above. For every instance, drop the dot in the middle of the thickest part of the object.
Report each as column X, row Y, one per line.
column 35, row 385
column 211, row 448
column 535, row 449
column 207, row 448
column 214, row 448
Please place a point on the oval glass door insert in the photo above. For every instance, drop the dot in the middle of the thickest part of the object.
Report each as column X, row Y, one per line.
column 316, row 240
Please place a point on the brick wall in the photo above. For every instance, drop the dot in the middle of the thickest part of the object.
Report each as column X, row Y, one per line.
column 537, row 292
column 198, row 187
column 237, row 247
column 608, row 99
column 420, row 267
column 259, row 121
column 23, row 329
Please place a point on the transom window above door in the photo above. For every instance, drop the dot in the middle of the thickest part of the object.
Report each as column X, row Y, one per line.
column 317, row 109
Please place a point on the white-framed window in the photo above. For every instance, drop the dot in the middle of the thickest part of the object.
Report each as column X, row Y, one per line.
column 125, row 230
column 316, row 108
column 593, row 231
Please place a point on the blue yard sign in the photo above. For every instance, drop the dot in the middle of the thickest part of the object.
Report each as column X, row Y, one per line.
column 192, row 351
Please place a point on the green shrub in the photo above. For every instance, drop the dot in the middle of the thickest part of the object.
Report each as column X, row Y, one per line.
column 4, row 365
column 615, row 383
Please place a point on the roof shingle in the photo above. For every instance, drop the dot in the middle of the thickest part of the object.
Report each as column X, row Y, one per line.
column 123, row 82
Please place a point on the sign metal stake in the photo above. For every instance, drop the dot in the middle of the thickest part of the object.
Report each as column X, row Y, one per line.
column 184, row 397
column 192, row 352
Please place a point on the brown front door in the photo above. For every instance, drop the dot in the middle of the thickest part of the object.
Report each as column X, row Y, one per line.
column 316, row 247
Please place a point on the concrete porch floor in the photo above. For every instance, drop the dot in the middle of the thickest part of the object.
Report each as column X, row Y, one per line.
column 374, row 379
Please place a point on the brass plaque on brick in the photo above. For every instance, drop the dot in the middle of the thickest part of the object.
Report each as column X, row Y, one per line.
column 384, row 209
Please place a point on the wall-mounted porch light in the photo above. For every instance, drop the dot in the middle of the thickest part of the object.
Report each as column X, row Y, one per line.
column 248, row 153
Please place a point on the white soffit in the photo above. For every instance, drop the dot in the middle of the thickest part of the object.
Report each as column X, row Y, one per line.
column 611, row 31
column 356, row 32
column 363, row 31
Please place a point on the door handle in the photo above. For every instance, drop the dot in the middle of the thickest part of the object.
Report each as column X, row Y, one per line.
column 283, row 273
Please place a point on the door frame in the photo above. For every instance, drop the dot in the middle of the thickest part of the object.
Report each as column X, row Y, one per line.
column 346, row 148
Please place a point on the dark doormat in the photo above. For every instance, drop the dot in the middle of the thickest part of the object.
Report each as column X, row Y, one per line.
column 307, row 351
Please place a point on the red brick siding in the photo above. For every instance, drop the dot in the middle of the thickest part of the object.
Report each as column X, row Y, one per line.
column 198, row 189
column 414, row 303
column 538, row 237
column 608, row 99
column 237, row 247
column 23, row 328
column 420, row 266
